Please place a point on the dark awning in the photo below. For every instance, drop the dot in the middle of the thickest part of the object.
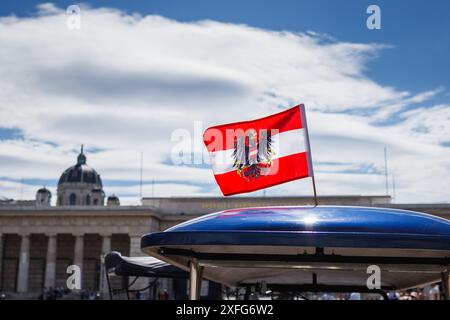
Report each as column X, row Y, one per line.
column 141, row 267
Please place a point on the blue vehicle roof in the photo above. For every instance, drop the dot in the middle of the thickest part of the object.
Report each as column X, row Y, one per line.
column 321, row 226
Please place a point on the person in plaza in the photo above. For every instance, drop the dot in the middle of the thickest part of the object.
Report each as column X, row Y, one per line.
column 434, row 293
column 355, row 296
column 414, row 295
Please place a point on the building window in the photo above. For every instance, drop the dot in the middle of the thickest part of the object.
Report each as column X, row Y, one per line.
column 72, row 199
column 88, row 200
column 95, row 202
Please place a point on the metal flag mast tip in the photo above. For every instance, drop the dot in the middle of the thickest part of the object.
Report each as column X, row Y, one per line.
column 316, row 203
column 308, row 147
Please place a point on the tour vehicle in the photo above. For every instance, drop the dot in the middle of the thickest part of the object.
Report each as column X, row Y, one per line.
column 309, row 248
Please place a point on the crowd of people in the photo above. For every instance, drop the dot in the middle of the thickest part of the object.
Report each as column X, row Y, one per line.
column 60, row 293
column 430, row 292
column 52, row 293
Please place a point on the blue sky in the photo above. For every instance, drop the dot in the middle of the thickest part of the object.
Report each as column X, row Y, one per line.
column 418, row 29
column 122, row 86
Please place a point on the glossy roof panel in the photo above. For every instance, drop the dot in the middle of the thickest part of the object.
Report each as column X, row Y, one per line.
column 322, row 226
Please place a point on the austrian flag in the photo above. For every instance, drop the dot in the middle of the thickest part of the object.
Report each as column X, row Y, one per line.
column 252, row 155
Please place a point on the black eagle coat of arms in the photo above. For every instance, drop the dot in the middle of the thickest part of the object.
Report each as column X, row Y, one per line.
column 253, row 154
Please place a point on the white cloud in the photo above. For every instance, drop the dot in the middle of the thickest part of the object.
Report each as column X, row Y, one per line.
column 389, row 110
column 123, row 83
column 19, row 190
column 430, row 125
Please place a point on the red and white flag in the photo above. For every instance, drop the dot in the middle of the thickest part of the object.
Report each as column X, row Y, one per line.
column 252, row 155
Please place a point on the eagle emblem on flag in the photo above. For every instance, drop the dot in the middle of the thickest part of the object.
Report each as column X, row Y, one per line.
column 253, row 153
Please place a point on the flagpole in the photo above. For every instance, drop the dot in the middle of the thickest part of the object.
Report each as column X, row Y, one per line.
column 315, row 191
column 308, row 146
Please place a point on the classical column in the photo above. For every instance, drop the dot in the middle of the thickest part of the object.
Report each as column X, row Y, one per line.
column 135, row 251
column 106, row 243
column 106, row 248
column 50, row 264
column 78, row 255
column 24, row 264
column 135, row 246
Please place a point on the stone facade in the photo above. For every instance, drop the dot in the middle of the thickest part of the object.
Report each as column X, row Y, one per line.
column 37, row 243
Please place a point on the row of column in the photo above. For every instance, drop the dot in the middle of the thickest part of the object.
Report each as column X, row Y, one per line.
column 50, row 266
